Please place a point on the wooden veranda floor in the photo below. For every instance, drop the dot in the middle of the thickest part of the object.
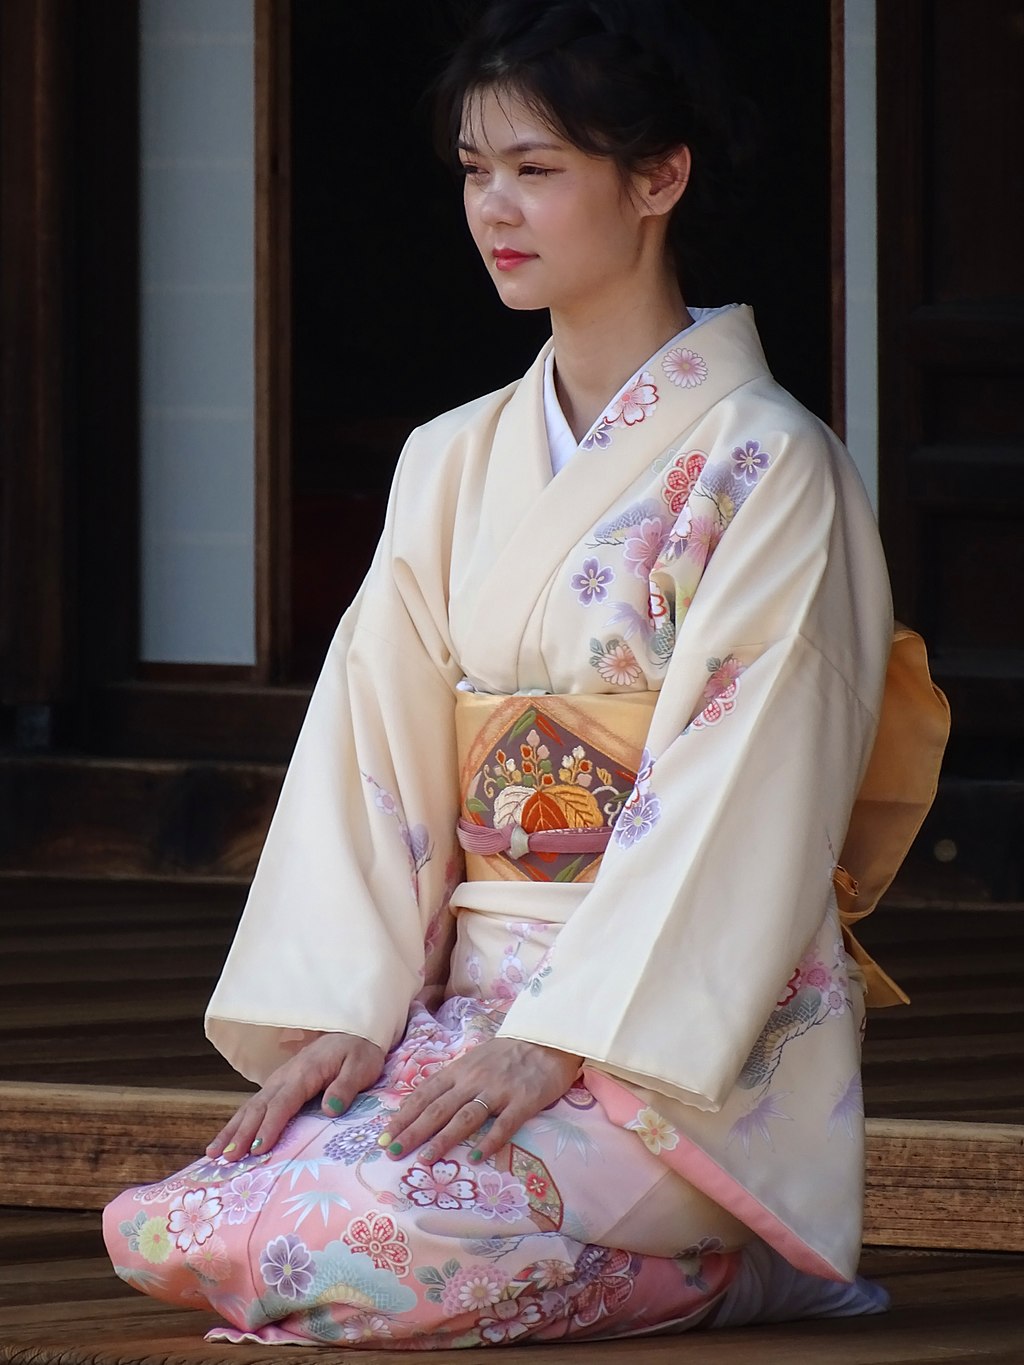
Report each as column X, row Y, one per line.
column 104, row 985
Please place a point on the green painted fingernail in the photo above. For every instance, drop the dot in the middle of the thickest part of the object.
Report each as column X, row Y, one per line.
column 384, row 1140
column 256, row 1142
column 476, row 1154
column 230, row 1147
column 395, row 1148
column 335, row 1105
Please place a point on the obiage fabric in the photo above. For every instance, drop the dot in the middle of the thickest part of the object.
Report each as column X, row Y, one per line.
column 709, row 545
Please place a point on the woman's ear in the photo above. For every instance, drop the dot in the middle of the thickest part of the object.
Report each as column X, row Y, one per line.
column 663, row 185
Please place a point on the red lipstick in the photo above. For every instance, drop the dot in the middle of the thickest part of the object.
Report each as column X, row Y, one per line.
column 506, row 259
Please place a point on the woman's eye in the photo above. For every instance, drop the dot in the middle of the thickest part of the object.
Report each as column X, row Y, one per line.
column 534, row 170
column 468, row 168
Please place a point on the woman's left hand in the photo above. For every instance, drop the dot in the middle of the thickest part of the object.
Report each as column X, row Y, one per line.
column 514, row 1080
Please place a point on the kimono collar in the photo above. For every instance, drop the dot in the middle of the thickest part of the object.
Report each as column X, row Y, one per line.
column 562, row 444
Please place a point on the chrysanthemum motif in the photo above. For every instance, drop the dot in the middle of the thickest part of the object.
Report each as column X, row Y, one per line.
column 634, row 403
column 617, row 663
column 155, row 1240
column 685, row 368
column 473, row 1286
column 210, row 1261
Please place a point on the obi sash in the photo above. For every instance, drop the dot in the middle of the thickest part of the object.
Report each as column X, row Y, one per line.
column 544, row 778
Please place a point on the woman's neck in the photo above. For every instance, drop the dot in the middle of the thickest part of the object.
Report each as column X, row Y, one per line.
column 595, row 356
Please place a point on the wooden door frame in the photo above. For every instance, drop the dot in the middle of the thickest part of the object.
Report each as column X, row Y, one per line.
column 273, row 338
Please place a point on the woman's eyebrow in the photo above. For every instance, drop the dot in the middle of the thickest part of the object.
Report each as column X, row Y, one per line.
column 514, row 148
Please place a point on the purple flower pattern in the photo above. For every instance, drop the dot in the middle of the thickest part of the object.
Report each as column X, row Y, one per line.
column 284, row 1266
column 592, row 584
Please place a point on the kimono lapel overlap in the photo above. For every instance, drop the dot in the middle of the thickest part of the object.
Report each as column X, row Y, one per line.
column 532, row 522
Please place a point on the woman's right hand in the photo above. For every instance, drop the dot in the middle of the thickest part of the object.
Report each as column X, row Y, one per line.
column 339, row 1064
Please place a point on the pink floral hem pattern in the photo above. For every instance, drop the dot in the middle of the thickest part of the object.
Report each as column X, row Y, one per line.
column 326, row 1240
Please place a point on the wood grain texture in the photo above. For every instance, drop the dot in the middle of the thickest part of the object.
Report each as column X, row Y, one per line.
column 929, row 1184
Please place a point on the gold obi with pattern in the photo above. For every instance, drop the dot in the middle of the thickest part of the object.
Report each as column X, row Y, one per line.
column 544, row 778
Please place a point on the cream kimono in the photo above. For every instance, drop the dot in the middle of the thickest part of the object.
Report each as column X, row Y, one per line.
column 579, row 769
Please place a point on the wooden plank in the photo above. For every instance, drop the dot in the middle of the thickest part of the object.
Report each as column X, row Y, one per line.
column 938, row 1184
column 929, row 1183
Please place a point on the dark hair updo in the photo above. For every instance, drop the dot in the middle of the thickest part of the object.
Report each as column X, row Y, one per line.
column 627, row 79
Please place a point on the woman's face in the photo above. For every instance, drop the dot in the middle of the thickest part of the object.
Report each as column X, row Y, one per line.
column 556, row 227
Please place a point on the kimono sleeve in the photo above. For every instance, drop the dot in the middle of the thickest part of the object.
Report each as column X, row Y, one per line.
column 352, row 884
column 719, row 872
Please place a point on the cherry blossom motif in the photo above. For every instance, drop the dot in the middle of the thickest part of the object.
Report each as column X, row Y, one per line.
column 750, row 461
column 617, row 663
column 680, row 477
column 512, row 1318
column 500, row 1196
column 192, row 1218
column 284, row 1266
column 601, row 437
column 635, row 402
column 592, row 584
column 211, row 1260
column 636, row 819
column 473, row 1287
column 643, row 547
column 442, row 1185
column 654, row 1131
column 246, row 1195
column 378, row 1236
column 685, row 368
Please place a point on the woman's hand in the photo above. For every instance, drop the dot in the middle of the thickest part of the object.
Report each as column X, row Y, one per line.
column 515, row 1080
column 339, row 1064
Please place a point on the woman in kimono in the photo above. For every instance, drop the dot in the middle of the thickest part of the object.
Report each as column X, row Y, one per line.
column 541, row 972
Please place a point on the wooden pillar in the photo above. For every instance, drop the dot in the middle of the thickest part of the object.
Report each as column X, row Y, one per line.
column 36, row 588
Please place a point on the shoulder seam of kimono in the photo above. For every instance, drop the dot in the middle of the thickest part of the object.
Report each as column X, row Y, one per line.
column 453, row 420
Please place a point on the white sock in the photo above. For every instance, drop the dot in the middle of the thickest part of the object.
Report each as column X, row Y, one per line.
column 768, row 1289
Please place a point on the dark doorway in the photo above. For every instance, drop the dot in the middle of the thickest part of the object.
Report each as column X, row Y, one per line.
column 394, row 320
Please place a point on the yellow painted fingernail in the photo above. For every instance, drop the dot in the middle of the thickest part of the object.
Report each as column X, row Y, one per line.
column 384, row 1140
column 230, row 1147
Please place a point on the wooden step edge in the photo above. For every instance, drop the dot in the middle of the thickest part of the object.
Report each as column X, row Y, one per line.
column 929, row 1183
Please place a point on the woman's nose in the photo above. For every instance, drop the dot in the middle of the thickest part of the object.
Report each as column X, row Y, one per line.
column 499, row 206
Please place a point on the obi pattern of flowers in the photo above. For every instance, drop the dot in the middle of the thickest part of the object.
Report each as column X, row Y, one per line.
column 541, row 776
